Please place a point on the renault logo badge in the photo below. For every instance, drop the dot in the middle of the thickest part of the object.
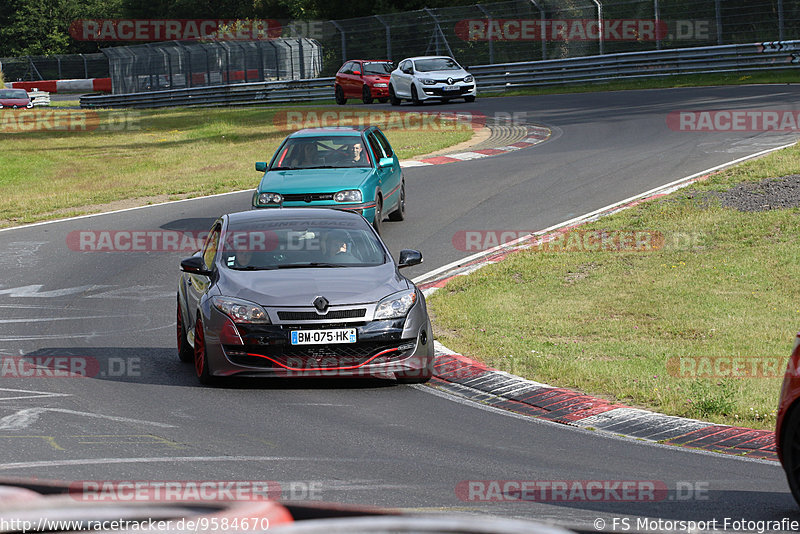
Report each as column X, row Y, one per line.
column 321, row 304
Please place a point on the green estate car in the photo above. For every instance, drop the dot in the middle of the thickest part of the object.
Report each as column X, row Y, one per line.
column 344, row 168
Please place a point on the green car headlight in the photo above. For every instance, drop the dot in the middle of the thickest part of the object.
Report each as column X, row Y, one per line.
column 269, row 198
column 350, row 195
column 395, row 306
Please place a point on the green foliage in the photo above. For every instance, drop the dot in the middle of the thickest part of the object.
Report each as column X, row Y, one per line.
column 41, row 27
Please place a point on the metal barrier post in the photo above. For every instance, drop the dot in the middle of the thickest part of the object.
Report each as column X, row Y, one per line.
column 657, row 17
column 718, row 9
column 301, row 58
column 489, row 22
column 208, row 68
column 344, row 45
column 227, row 64
column 543, row 29
column 244, row 58
column 260, row 48
column 187, row 60
column 437, row 32
column 291, row 60
column 780, row 20
column 85, row 67
column 388, row 36
column 600, row 24
column 277, row 59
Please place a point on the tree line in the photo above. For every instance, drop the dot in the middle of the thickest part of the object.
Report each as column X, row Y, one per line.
column 41, row 27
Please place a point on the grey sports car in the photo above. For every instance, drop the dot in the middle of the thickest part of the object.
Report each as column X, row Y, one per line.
column 301, row 292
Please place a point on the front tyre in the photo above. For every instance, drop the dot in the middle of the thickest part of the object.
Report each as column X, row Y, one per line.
column 790, row 445
column 393, row 97
column 201, row 355
column 469, row 98
column 414, row 97
column 366, row 95
column 185, row 351
column 383, row 100
column 399, row 214
column 339, row 95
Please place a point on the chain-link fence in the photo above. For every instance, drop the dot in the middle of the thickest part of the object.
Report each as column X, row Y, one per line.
column 526, row 30
column 480, row 34
column 35, row 68
column 175, row 64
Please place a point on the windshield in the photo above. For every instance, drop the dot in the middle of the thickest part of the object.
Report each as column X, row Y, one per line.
column 331, row 152
column 301, row 244
column 439, row 63
column 17, row 94
column 378, row 68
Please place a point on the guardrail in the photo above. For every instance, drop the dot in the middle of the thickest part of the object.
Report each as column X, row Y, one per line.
column 702, row 60
column 492, row 78
column 220, row 95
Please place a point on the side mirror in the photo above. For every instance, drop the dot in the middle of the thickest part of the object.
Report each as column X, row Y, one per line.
column 386, row 162
column 409, row 257
column 408, row 71
column 261, row 166
column 194, row 265
column 357, row 72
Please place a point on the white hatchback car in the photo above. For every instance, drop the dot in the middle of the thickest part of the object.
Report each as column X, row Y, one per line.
column 430, row 77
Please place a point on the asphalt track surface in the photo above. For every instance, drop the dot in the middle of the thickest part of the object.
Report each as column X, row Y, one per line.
column 367, row 441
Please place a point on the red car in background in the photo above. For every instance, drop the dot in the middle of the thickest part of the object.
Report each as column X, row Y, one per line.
column 15, row 99
column 364, row 79
column 787, row 430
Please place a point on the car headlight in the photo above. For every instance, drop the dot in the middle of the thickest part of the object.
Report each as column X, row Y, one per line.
column 396, row 305
column 350, row 195
column 241, row 311
column 269, row 198
column 381, row 85
column 469, row 79
column 427, row 81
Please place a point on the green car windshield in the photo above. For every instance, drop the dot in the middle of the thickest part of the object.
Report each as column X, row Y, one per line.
column 330, row 152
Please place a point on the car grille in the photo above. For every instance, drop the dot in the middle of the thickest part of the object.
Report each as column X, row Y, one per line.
column 441, row 92
column 318, row 356
column 314, row 316
column 307, row 197
column 455, row 80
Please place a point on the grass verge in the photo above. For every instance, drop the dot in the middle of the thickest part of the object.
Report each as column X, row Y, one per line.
column 111, row 156
column 620, row 325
